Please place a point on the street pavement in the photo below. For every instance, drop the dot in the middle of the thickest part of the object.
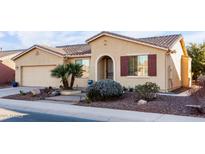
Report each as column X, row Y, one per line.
column 7, row 115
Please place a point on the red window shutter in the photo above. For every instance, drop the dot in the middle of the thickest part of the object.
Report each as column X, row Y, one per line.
column 152, row 65
column 124, row 65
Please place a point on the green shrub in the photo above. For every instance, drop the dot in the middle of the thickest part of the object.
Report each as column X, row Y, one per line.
column 104, row 89
column 124, row 88
column 21, row 92
column 93, row 94
column 147, row 91
column 130, row 89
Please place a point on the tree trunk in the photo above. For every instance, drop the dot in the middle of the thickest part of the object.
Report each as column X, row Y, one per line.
column 65, row 84
column 72, row 81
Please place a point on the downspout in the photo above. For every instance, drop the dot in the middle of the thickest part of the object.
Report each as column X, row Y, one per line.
column 166, row 72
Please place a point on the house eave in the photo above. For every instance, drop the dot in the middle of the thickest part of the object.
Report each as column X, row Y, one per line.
column 78, row 56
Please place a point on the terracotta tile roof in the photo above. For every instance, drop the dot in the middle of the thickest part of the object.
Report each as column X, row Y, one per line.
column 77, row 49
column 10, row 52
column 162, row 41
column 159, row 41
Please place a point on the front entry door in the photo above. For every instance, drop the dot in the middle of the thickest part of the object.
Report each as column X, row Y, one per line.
column 109, row 69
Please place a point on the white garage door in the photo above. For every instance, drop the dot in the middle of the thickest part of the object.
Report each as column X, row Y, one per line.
column 39, row 76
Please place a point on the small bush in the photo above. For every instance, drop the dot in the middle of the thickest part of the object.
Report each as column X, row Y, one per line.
column 93, row 94
column 21, row 92
column 147, row 91
column 103, row 90
column 131, row 89
column 124, row 88
column 198, row 91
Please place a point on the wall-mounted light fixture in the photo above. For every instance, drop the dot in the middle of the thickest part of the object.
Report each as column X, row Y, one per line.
column 105, row 42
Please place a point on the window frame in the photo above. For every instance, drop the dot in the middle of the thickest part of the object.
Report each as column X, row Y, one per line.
column 137, row 76
column 83, row 66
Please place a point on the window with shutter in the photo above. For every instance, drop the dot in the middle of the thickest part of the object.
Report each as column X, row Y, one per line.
column 142, row 65
column 124, row 65
column 152, row 65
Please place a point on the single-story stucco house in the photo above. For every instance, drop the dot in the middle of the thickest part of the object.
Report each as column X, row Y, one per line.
column 129, row 61
column 7, row 66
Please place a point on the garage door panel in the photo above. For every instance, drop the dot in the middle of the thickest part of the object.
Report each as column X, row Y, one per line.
column 39, row 76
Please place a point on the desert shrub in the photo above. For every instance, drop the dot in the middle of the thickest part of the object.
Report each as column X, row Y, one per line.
column 104, row 89
column 124, row 88
column 93, row 94
column 201, row 82
column 130, row 89
column 21, row 92
column 147, row 91
column 198, row 91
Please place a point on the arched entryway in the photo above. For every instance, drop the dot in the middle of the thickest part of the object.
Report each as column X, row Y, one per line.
column 105, row 68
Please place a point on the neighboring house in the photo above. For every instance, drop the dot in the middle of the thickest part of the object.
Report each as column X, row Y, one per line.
column 7, row 66
column 129, row 61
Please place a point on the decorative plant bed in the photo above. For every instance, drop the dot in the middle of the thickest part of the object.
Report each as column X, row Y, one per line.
column 29, row 96
column 163, row 104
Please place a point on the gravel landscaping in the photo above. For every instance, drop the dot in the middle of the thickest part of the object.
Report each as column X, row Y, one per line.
column 30, row 97
column 163, row 104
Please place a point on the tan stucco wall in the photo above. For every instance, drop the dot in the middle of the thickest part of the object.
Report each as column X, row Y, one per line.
column 6, row 60
column 116, row 48
column 36, row 57
column 80, row 82
column 186, row 71
column 173, row 70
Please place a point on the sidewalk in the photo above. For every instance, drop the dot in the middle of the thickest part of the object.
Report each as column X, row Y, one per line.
column 92, row 113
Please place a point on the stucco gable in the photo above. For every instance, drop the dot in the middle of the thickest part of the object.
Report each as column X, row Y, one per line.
column 114, row 46
column 38, row 57
column 53, row 51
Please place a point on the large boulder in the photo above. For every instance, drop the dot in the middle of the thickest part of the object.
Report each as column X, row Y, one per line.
column 35, row 92
column 55, row 93
column 142, row 102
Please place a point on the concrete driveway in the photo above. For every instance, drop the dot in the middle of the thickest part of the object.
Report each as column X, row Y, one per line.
column 12, row 91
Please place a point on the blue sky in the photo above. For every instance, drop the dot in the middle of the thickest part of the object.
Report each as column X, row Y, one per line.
column 24, row 39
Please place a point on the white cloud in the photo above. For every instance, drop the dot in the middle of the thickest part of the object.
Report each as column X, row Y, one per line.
column 51, row 38
column 2, row 34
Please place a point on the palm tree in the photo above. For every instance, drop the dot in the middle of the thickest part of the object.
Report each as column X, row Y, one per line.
column 62, row 71
column 76, row 71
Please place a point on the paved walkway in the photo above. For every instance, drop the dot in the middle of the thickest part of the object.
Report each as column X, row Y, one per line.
column 183, row 94
column 71, row 98
column 92, row 113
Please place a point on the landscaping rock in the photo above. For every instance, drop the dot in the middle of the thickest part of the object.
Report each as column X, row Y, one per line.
column 55, row 93
column 142, row 102
column 35, row 92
